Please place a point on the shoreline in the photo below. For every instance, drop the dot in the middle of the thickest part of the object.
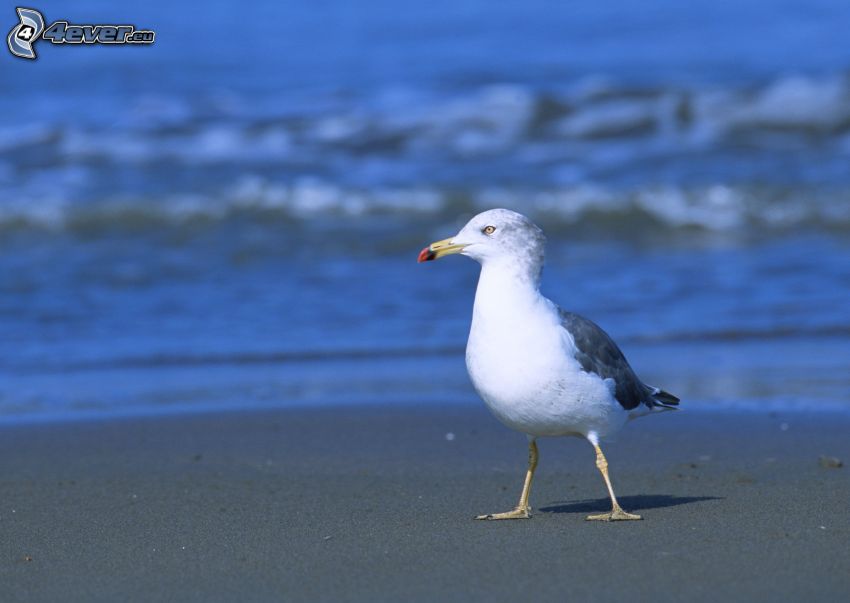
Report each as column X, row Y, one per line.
column 15, row 420
column 357, row 503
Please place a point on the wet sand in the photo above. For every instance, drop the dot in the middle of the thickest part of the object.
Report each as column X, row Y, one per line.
column 376, row 504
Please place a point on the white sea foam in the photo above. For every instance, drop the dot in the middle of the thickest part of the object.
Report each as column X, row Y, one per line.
column 714, row 208
column 610, row 118
column 716, row 158
column 490, row 120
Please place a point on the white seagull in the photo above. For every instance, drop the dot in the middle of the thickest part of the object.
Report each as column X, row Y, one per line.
column 539, row 369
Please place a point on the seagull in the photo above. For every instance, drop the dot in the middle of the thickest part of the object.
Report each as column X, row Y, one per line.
column 541, row 370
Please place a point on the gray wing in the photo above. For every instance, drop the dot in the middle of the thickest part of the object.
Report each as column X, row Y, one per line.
column 597, row 353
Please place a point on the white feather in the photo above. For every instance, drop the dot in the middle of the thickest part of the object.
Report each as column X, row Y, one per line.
column 522, row 362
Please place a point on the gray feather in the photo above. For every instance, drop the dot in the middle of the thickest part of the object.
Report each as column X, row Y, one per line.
column 598, row 354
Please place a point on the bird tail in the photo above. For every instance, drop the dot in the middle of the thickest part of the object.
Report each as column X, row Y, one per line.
column 665, row 399
column 656, row 400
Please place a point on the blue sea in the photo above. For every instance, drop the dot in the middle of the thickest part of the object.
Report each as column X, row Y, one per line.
column 230, row 218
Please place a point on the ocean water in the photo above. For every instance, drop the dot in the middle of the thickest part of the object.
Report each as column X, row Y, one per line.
column 231, row 217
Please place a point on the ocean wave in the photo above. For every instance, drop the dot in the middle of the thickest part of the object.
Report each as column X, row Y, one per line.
column 481, row 121
column 721, row 159
column 717, row 208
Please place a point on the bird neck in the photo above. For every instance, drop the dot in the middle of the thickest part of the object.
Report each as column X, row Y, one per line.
column 505, row 290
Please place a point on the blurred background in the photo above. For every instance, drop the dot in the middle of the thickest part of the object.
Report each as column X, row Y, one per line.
column 231, row 217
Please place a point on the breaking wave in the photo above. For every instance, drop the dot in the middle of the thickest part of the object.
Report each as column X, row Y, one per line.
column 716, row 208
column 770, row 156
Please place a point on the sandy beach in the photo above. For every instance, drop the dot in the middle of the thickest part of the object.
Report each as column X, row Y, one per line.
column 357, row 504
column 224, row 376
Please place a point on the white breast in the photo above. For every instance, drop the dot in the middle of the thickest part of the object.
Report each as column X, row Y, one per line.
column 522, row 363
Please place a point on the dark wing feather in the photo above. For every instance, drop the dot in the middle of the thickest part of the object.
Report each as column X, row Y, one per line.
column 597, row 353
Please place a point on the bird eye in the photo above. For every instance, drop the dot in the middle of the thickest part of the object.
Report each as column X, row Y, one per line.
column 488, row 230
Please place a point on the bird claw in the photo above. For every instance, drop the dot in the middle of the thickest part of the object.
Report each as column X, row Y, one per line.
column 515, row 514
column 617, row 514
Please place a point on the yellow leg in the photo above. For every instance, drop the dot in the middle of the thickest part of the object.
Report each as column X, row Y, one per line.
column 617, row 513
column 522, row 510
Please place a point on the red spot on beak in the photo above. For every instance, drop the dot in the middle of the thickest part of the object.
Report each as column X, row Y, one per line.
column 426, row 255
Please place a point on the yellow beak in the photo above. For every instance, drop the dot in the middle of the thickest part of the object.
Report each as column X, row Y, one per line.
column 438, row 249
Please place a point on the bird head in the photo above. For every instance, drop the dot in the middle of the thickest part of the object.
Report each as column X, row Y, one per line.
column 497, row 236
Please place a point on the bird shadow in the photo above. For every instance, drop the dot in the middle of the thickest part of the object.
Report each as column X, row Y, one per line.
column 630, row 503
